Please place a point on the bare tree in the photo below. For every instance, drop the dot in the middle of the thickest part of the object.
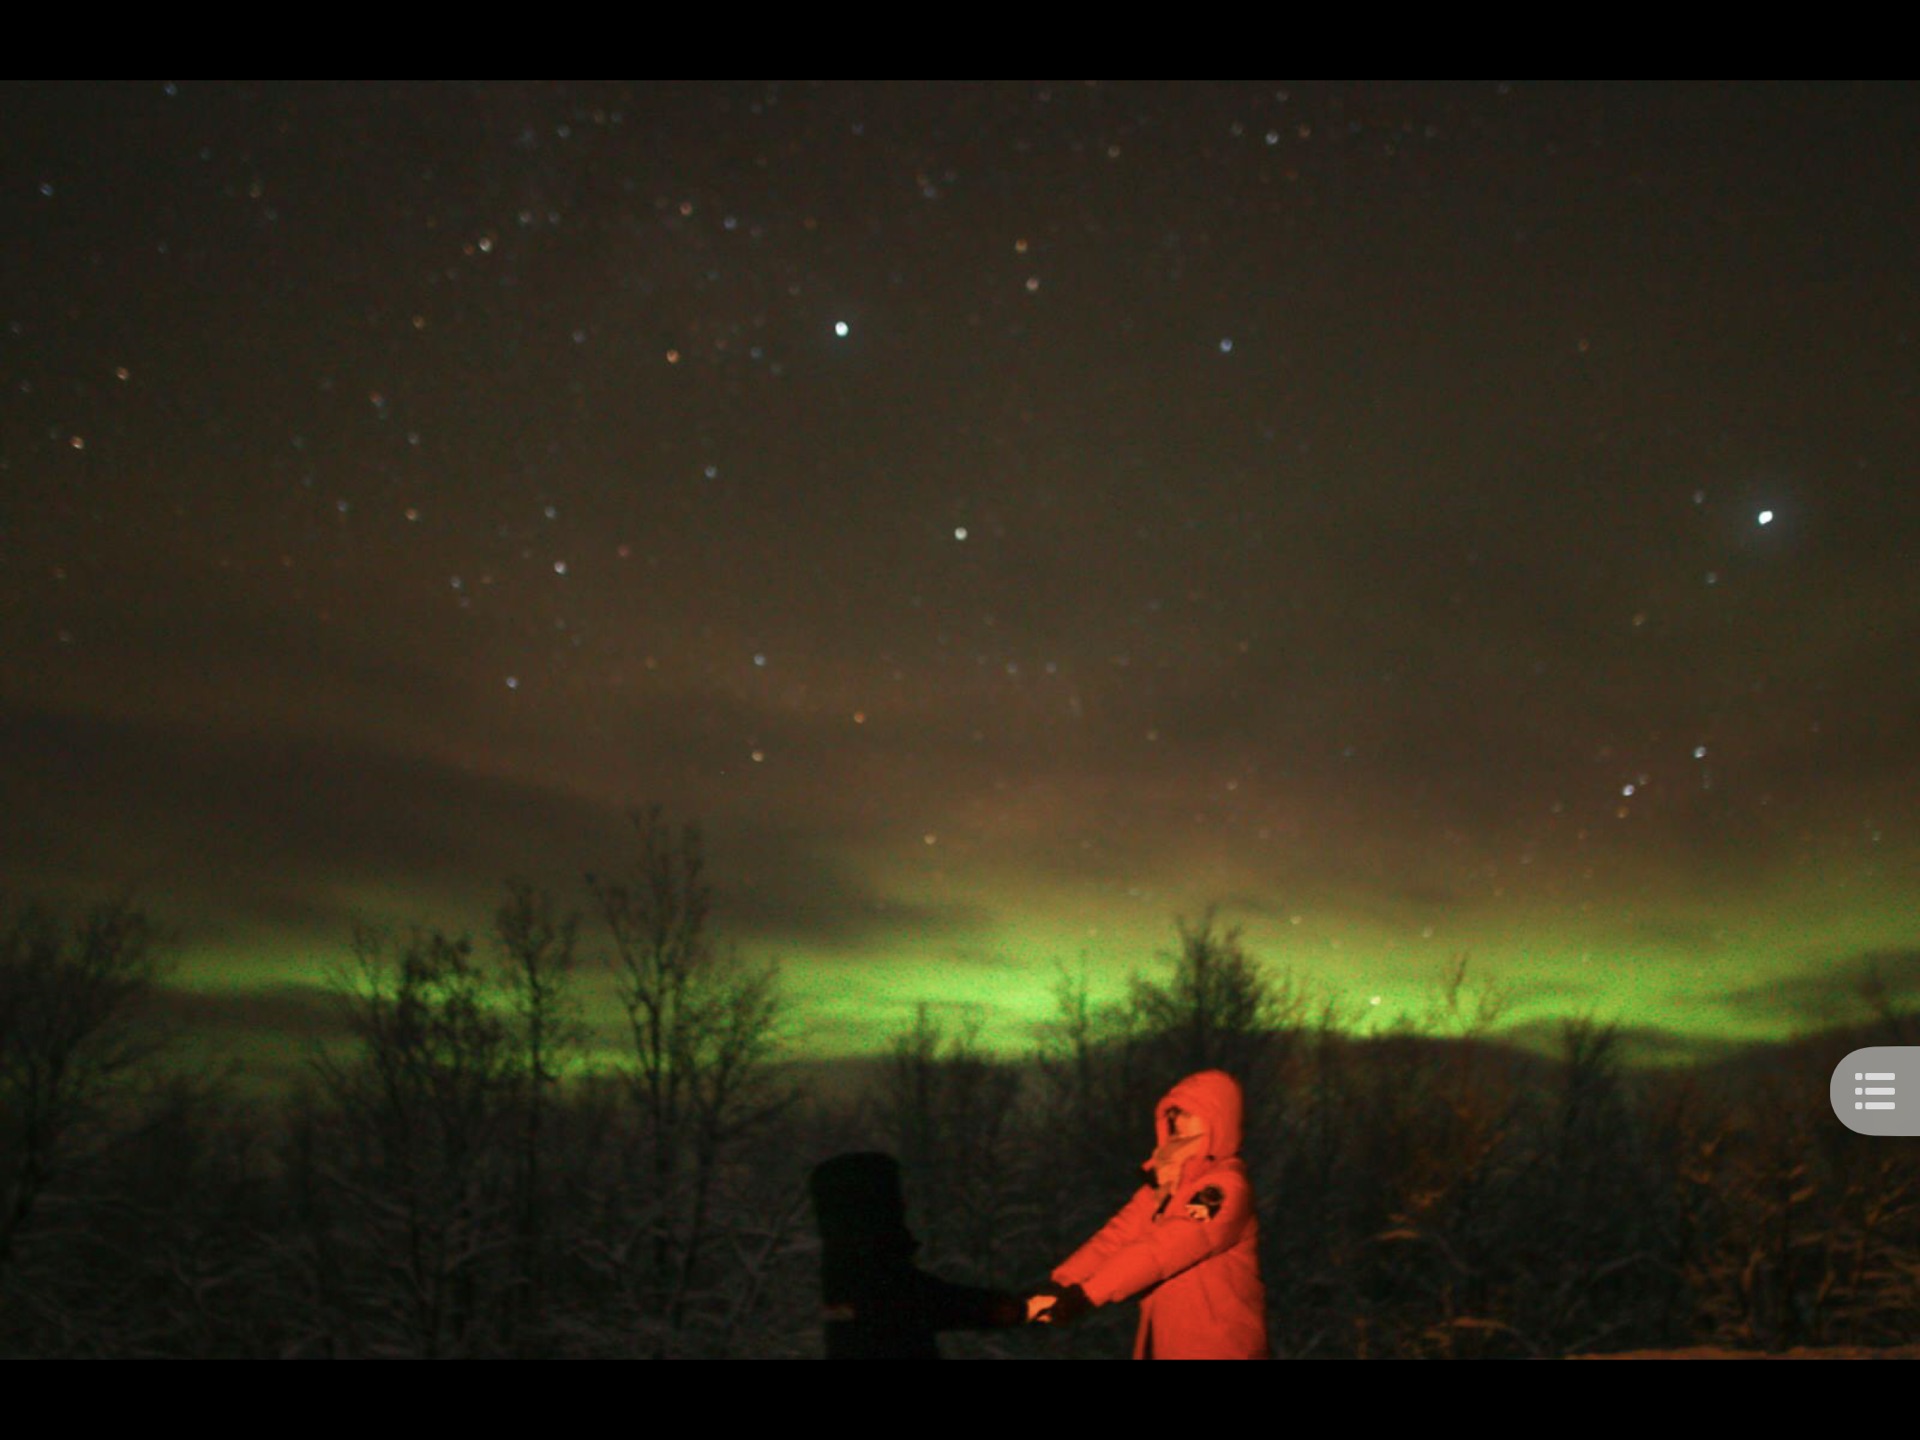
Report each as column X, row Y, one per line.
column 71, row 1029
column 1221, row 1008
column 951, row 1111
column 1885, row 987
column 537, row 953
column 423, row 1115
column 702, row 1073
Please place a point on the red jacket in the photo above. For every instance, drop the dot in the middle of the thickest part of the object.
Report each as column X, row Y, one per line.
column 1199, row 1280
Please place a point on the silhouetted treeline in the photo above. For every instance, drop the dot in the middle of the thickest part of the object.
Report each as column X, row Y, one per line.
column 458, row 1181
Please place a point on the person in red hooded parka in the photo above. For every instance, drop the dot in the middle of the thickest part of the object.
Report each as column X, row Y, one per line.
column 1187, row 1243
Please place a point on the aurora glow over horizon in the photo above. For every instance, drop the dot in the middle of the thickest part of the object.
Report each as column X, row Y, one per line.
column 1004, row 517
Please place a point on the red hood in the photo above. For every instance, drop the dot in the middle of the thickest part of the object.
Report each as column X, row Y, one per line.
column 1213, row 1095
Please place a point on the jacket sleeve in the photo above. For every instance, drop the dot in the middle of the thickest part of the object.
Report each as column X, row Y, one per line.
column 942, row 1305
column 1162, row 1251
column 1128, row 1226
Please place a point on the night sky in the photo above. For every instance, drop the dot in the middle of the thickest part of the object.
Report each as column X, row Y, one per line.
column 1422, row 520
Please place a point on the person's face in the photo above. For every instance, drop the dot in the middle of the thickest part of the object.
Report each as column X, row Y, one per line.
column 1184, row 1122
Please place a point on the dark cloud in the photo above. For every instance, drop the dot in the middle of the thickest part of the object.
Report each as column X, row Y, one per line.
column 297, row 1015
column 1840, row 991
column 1637, row 1045
column 219, row 813
column 227, row 819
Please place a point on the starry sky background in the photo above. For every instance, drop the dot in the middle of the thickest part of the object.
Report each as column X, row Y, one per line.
column 1421, row 520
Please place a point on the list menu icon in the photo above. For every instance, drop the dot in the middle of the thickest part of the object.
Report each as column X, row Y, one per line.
column 1877, row 1090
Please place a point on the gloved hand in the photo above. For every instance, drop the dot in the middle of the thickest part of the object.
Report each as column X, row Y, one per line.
column 1068, row 1305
